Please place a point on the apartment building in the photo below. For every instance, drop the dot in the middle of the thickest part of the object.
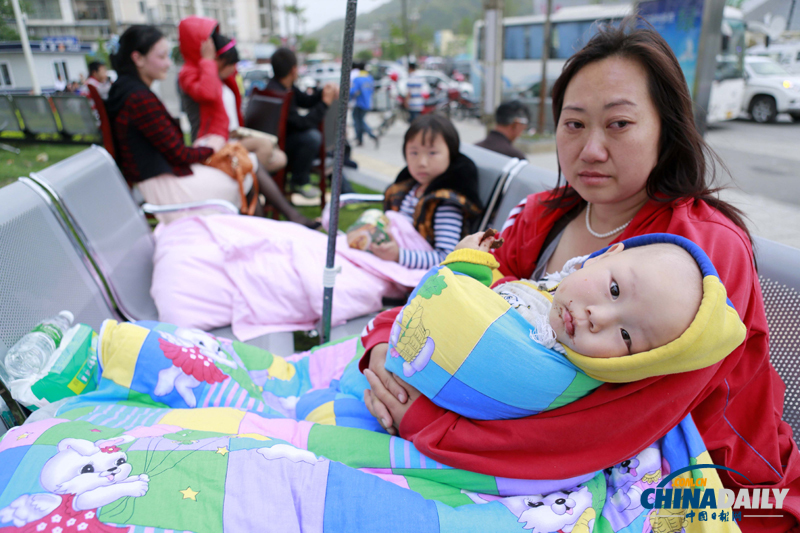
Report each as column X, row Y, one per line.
column 249, row 21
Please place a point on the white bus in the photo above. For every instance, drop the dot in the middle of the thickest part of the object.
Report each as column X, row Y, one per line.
column 572, row 27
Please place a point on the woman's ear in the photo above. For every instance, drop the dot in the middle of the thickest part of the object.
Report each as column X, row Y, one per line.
column 138, row 59
column 613, row 250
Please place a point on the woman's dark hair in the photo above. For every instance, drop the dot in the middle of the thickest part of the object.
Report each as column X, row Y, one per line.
column 138, row 38
column 431, row 126
column 229, row 56
column 682, row 168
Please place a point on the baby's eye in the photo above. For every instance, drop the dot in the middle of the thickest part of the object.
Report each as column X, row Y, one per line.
column 614, row 290
column 626, row 338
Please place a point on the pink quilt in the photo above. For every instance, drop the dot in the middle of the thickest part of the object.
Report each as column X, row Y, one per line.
column 261, row 276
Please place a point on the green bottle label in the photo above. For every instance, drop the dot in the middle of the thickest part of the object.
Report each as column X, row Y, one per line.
column 51, row 331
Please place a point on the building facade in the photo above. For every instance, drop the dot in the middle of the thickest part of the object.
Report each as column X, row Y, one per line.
column 248, row 21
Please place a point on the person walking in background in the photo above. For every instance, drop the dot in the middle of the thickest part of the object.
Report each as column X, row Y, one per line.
column 361, row 91
column 415, row 102
column 303, row 138
column 512, row 119
column 98, row 76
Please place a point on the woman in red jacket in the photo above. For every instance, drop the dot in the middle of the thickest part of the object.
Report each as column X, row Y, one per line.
column 634, row 163
column 208, row 73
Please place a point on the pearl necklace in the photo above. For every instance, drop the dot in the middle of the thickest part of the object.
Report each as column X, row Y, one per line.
column 602, row 235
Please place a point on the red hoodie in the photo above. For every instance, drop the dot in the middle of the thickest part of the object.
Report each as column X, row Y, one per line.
column 736, row 404
column 199, row 78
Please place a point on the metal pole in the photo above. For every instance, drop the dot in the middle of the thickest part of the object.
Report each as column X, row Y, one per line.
column 26, row 47
column 112, row 19
column 707, row 50
column 329, row 275
column 791, row 14
column 405, row 29
column 545, row 57
column 493, row 57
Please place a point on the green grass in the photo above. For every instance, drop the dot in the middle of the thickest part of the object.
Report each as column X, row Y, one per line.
column 348, row 214
column 12, row 166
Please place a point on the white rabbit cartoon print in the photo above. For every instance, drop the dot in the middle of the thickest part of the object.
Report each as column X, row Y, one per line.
column 81, row 478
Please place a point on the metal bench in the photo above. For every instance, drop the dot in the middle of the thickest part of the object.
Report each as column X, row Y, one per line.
column 779, row 274
column 96, row 202
column 42, row 270
column 76, row 116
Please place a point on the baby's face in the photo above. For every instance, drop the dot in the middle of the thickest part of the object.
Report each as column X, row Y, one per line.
column 625, row 303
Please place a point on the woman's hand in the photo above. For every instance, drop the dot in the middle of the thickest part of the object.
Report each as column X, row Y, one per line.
column 385, row 382
column 208, row 50
column 213, row 141
column 388, row 251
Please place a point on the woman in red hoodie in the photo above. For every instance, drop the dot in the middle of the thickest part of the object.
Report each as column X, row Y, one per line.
column 634, row 164
column 209, row 72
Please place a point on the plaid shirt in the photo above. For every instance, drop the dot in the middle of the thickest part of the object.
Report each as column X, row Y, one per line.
column 144, row 112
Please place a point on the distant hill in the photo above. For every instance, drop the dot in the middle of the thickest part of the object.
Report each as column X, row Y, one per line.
column 435, row 14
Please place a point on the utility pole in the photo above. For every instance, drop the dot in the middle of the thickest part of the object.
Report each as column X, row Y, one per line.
column 545, row 56
column 789, row 18
column 112, row 20
column 493, row 58
column 26, row 47
column 405, row 29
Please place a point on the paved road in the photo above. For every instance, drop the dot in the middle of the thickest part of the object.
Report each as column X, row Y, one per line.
column 764, row 161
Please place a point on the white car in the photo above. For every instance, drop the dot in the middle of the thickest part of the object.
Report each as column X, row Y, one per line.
column 770, row 89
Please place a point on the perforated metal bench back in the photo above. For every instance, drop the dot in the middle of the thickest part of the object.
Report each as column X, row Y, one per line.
column 37, row 115
column 530, row 180
column 76, row 115
column 490, row 165
column 41, row 272
column 779, row 273
column 96, row 196
column 8, row 117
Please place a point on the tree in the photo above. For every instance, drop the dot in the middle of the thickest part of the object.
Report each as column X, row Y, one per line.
column 8, row 32
column 309, row 46
column 364, row 55
column 464, row 26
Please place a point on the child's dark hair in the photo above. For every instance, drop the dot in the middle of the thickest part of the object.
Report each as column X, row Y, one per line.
column 431, row 126
column 94, row 66
column 138, row 38
column 229, row 56
column 461, row 175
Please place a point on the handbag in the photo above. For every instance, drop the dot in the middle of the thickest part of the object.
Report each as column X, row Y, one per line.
column 233, row 159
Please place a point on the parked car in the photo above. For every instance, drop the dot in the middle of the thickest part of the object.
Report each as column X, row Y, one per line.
column 257, row 75
column 770, row 89
column 787, row 54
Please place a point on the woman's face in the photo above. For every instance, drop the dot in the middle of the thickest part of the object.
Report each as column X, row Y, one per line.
column 155, row 64
column 608, row 132
column 427, row 161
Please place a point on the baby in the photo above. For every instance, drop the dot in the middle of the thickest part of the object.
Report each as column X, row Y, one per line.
column 648, row 306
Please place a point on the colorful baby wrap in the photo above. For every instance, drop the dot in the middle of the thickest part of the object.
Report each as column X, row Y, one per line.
column 464, row 347
column 132, row 457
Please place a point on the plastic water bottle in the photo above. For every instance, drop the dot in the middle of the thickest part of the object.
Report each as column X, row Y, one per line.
column 30, row 355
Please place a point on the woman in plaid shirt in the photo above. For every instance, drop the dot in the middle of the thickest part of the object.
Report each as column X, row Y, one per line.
column 149, row 143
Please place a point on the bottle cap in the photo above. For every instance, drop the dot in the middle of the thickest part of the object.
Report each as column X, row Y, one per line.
column 67, row 315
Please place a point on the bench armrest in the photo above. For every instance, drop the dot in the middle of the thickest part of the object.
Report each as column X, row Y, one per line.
column 355, row 198
column 221, row 205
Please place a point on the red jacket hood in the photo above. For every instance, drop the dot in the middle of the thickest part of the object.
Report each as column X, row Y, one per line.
column 192, row 31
